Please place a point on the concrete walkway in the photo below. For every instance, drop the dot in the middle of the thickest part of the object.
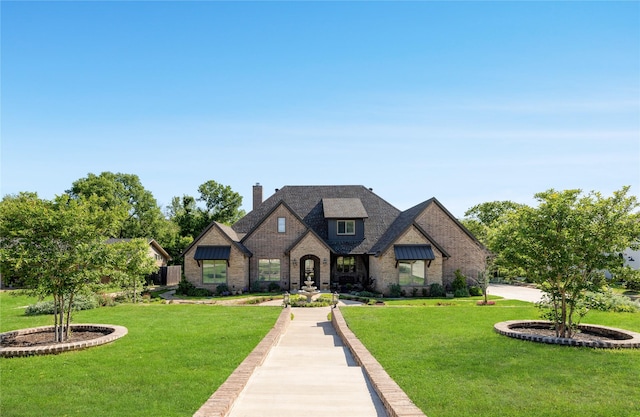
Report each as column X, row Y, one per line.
column 308, row 373
column 514, row 292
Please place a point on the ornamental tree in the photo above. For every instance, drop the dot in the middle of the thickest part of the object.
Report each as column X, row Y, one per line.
column 566, row 243
column 131, row 264
column 55, row 247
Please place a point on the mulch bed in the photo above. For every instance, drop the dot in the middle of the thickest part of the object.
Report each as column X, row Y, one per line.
column 580, row 335
column 47, row 338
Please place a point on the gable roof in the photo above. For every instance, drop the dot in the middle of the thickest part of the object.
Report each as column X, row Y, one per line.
column 307, row 203
column 227, row 232
column 405, row 220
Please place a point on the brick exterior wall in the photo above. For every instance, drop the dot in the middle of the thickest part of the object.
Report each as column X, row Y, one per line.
column 311, row 245
column 384, row 269
column 465, row 254
column 237, row 270
column 267, row 243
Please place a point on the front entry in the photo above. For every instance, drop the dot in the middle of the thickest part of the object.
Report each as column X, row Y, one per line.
column 309, row 267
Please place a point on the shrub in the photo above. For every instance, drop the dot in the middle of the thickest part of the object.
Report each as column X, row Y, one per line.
column 414, row 292
column 425, row 292
column 436, row 290
column 461, row 292
column 460, row 282
column 80, row 302
column 368, row 294
column 608, row 301
column 184, row 287
column 187, row 288
column 222, row 289
column 395, row 290
column 475, row 291
column 274, row 287
column 256, row 286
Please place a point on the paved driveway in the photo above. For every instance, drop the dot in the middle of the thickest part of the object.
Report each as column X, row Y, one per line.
column 514, row 292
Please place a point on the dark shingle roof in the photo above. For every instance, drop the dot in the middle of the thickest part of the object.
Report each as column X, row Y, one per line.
column 343, row 208
column 306, row 202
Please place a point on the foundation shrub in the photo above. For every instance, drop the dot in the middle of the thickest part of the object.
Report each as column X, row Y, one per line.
column 475, row 291
column 436, row 290
column 395, row 291
column 222, row 289
column 273, row 287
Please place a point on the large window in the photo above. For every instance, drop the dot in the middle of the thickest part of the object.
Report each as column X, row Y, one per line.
column 269, row 269
column 346, row 227
column 346, row 264
column 412, row 272
column 282, row 224
column 214, row 271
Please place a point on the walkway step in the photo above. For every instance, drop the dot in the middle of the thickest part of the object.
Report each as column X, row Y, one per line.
column 308, row 372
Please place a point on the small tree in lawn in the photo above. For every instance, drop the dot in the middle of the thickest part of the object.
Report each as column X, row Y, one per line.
column 55, row 247
column 566, row 243
column 131, row 264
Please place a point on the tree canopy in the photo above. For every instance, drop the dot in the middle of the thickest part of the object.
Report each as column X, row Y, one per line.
column 566, row 243
column 221, row 204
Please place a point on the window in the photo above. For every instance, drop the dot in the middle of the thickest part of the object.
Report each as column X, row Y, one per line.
column 269, row 269
column 282, row 224
column 346, row 227
column 346, row 264
column 411, row 272
column 214, row 271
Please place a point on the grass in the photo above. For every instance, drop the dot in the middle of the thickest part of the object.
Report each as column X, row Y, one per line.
column 172, row 360
column 450, row 362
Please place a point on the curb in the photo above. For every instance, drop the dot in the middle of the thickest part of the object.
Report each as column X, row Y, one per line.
column 395, row 400
column 220, row 402
column 116, row 332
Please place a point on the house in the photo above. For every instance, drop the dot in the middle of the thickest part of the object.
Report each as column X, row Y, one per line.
column 165, row 275
column 341, row 237
column 156, row 252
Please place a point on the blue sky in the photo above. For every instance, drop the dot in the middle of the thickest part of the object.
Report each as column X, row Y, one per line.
column 465, row 101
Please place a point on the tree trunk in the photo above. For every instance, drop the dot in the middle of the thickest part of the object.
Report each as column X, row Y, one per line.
column 67, row 327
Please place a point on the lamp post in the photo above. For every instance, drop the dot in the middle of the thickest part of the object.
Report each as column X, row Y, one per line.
column 286, row 299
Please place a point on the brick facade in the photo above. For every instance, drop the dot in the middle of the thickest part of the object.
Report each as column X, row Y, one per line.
column 384, row 267
column 237, row 269
column 265, row 242
column 465, row 253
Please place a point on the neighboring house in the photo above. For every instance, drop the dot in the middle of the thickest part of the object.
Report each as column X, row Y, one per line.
column 156, row 252
column 339, row 236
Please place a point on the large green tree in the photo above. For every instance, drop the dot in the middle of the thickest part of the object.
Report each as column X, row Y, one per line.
column 483, row 217
column 221, row 204
column 55, row 247
column 124, row 194
column 566, row 243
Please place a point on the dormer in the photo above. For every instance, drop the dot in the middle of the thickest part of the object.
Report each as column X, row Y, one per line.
column 345, row 218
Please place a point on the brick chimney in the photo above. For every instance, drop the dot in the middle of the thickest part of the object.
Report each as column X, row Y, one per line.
column 257, row 195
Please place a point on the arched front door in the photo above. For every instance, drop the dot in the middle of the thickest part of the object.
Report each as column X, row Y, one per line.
column 309, row 267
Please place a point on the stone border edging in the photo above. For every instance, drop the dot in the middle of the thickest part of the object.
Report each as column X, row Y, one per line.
column 395, row 400
column 9, row 352
column 631, row 341
column 220, row 402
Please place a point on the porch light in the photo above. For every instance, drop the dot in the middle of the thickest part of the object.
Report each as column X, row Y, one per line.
column 295, row 261
column 324, row 261
column 334, row 299
column 286, row 300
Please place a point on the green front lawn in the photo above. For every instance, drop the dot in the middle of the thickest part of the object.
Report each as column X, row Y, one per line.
column 450, row 362
column 172, row 360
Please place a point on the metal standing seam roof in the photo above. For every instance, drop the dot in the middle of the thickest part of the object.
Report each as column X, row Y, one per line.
column 212, row 253
column 413, row 252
